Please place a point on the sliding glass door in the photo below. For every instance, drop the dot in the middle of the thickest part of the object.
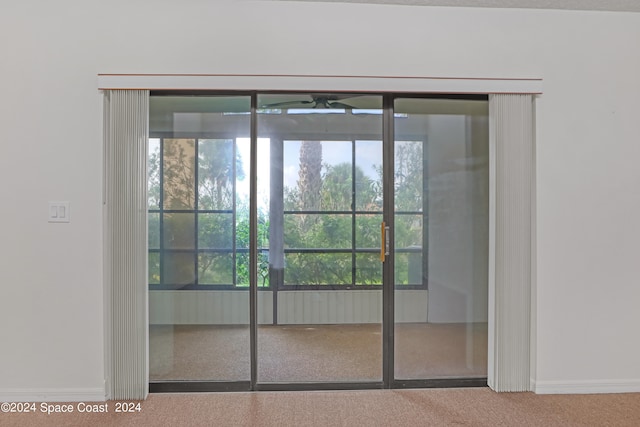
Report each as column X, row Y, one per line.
column 441, row 229
column 320, row 191
column 199, row 238
column 316, row 240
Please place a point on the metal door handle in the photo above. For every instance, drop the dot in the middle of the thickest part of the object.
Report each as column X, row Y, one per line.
column 384, row 247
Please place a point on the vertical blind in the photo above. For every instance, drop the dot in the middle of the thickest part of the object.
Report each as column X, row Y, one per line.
column 512, row 121
column 126, row 115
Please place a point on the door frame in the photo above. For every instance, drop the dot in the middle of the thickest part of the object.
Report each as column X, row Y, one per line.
column 388, row 323
column 326, row 83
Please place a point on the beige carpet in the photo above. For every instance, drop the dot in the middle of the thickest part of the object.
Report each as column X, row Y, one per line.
column 317, row 353
column 438, row 407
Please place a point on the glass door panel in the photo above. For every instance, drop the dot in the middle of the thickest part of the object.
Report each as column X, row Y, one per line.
column 319, row 283
column 198, row 238
column 319, row 191
column 441, row 220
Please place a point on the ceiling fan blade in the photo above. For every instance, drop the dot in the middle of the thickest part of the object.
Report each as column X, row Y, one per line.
column 318, row 101
column 339, row 104
column 286, row 103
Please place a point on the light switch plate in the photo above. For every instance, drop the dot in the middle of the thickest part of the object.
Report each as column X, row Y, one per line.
column 59, row 212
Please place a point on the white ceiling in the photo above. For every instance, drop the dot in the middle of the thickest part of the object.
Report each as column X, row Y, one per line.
column 603, row 5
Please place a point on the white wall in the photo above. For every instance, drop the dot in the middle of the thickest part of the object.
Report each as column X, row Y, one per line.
column 51, row 297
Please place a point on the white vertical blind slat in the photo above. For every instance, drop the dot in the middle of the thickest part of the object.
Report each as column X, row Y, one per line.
column 126, row 135
column 512, row 117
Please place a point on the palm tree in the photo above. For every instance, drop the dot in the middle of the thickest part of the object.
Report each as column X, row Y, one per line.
column 310, row 178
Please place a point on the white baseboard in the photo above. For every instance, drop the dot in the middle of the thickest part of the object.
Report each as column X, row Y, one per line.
column 586, row 387
column 53, row 395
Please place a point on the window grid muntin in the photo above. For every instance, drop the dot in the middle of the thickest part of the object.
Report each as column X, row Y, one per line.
column 198, row 136
column 161, row 211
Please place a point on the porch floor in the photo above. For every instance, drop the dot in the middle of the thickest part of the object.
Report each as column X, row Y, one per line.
column 316, row 353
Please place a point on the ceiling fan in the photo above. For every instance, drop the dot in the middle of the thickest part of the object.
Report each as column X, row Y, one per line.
column 317, row 101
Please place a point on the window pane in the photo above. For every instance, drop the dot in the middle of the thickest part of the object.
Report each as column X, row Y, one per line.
column 318, row 175
column 317, row 231
column 217, row 171
column 368, row 269
column 179, row 231
column 263, row 269
column 154, row 230
column 408, row 267
column 153, row 173
column 215, row 231
column 317, row 269
column 368, row 234
column 242, row 269
column 408, row 231
column 215, row 269
column 409, row 164
column 178, row 268
column 154, row 268
column 242, row 230
column 337, row 176
column 368, row 175
column 179, row 174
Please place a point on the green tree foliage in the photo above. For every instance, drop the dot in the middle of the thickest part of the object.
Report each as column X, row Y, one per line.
column 218, row 166
column 178, row 194
column 408, row 175
column 153, row 177
column 179, row 167
column 337, row 190
column 242, row 245
column 216, row 163
column 153, row 193
column 334, row 230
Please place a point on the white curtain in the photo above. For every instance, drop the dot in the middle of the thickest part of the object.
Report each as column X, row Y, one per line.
column 126, row 116
column 510, row 324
